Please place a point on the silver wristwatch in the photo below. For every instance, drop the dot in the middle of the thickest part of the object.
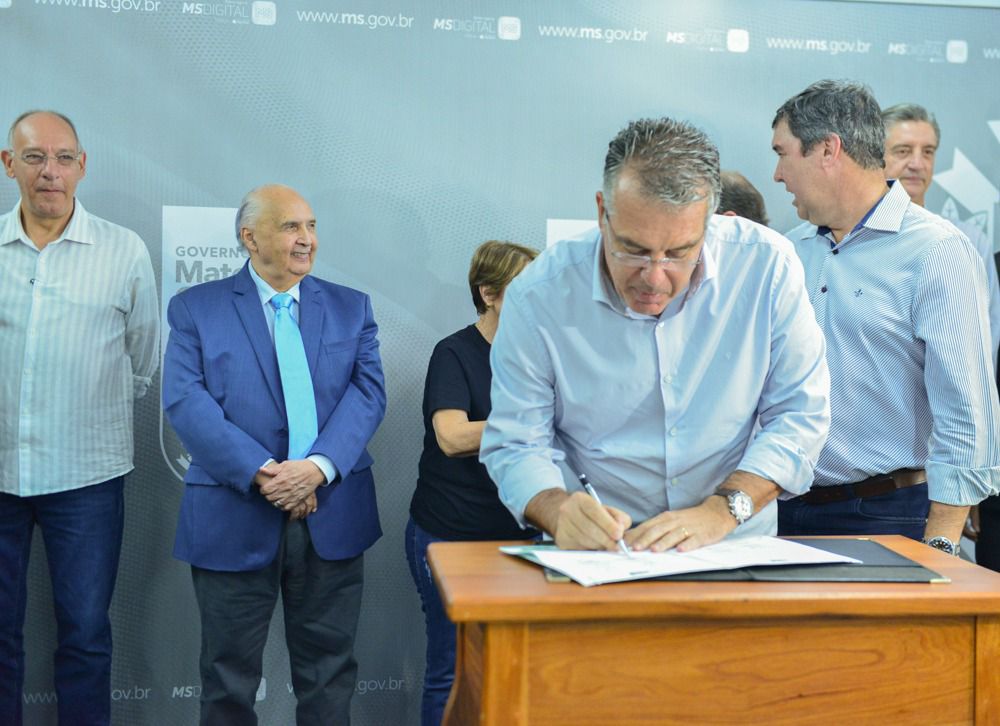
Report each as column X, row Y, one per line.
column 740, row 504
column 944, row 544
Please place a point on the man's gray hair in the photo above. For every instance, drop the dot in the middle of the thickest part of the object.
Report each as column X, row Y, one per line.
column 675, row 162
column 910, row 112
column 249, row 211
column 19, row 119
column 845, row 108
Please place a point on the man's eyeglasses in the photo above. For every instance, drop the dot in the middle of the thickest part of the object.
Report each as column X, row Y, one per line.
column 63, row 158
column 636, row 261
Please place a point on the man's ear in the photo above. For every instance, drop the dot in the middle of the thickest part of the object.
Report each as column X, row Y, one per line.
column 8, row 162
column 832, row 147
column 246, row 237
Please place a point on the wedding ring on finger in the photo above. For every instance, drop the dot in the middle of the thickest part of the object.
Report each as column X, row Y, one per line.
column 278, row 504
column 685, row 532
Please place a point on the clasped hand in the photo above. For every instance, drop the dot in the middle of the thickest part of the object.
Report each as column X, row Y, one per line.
column 290, row 485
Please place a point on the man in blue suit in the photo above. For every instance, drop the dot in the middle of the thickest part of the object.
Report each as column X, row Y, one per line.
column 279, row 495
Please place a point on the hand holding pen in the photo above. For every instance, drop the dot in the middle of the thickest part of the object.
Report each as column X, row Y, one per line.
column 623, row 548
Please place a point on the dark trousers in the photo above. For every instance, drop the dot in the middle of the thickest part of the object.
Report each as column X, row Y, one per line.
column 82, row 530
column 439, row 672
column 903, row 511
column 321, row 600
column 988, row 543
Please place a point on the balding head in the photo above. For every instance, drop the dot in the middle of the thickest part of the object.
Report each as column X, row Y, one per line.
column 45, row 159
column 278, row 228
column 41, row 112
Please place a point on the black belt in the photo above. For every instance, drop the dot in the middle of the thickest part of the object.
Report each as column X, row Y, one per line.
column 873, row 486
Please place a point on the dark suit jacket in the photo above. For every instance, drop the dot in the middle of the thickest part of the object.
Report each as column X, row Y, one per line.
column 222, row 394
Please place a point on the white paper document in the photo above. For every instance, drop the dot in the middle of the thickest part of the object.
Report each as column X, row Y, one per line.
column 597, row 568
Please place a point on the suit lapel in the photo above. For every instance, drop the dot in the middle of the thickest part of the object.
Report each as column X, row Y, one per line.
column 251, row 313
column 310, row 319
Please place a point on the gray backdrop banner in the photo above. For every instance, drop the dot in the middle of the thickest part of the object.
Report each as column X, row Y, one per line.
column 416, row 130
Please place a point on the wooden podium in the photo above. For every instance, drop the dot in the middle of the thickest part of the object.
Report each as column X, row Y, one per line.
column 534, row 652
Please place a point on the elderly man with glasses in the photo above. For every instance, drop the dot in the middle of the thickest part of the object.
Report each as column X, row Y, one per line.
column 671, row 358
column 79, row 336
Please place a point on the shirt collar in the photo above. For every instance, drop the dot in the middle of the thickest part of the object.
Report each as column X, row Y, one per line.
column 265, row 291
column 885, row 216
column 77, row 230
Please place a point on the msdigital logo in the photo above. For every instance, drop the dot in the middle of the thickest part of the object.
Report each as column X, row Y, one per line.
column 956, row 51
column 509, row 28
column 482, row 28
column 240, row 12
column 263, row 12
column 932, row 51
column 710, row 39
column 737, row 40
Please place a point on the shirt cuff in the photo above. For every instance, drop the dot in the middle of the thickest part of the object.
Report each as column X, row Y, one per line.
column 959, row 486
column 528, row 481
column 779, row 460
column 326, row 466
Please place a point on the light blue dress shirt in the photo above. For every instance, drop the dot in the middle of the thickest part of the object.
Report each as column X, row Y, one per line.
column 266, row 292
column 79, row 341
column 903, row 303
column 657, row 412
column 984, row 246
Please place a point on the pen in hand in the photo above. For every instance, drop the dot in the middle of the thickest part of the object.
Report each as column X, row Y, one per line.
column 592, row 492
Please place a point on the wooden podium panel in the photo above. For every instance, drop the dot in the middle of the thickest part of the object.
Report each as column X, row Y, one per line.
column 533, row 652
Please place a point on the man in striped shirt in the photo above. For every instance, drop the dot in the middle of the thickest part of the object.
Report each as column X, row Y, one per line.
column 901, row 297
column 912, row 136
column 79, row 335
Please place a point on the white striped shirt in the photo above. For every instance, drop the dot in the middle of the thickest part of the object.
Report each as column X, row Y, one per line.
column 902, row 301
column 79, row 335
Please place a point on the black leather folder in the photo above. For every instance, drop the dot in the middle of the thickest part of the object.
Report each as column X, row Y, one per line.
column 879, row 564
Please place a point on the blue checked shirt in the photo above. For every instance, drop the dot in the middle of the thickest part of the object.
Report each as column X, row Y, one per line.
column 79, row 334
column 902, row 301
column 657, row 412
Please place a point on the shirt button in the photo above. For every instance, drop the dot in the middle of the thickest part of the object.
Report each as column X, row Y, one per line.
column 836, row 252
column 673, row 431
column 668, row 378
column 823, row 289
column 673, row 482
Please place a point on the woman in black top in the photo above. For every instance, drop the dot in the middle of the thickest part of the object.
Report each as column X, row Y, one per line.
column 455, row 498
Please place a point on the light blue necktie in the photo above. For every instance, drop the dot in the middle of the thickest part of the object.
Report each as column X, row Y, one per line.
column 296, row 382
